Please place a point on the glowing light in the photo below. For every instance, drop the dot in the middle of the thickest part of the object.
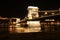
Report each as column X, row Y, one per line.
column 45, row 12
column 52, row 13
column 33, row 23
column 32, row 7
column 49, row 20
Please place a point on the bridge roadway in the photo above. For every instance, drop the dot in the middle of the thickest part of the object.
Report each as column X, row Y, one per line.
column 38, row 18
column 5, row 35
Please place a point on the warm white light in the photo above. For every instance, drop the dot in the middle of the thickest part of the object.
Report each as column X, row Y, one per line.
column 33, row 23
column 32, row 7
column 52, row 13
column 45, row 12
column 49, row 20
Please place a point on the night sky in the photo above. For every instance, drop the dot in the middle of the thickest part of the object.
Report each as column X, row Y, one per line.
column 18, row 8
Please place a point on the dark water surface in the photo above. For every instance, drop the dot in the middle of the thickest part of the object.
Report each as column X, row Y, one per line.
column 5, row 35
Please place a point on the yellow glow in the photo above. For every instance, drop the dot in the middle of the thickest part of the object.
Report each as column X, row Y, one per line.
column 53, row 13
column 52, row 22
column 45, row 12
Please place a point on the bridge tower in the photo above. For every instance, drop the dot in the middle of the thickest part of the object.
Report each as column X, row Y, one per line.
column 34, row 26
column 32, row 12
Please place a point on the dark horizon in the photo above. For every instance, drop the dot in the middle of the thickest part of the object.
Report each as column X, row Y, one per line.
column 19, row 8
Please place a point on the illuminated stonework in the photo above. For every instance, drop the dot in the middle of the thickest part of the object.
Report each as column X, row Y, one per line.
column 34, row 26
column 32, row 12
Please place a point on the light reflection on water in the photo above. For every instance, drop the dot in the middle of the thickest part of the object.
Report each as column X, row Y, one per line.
column 12, row 28
column 23, row 30
column 49, row 27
